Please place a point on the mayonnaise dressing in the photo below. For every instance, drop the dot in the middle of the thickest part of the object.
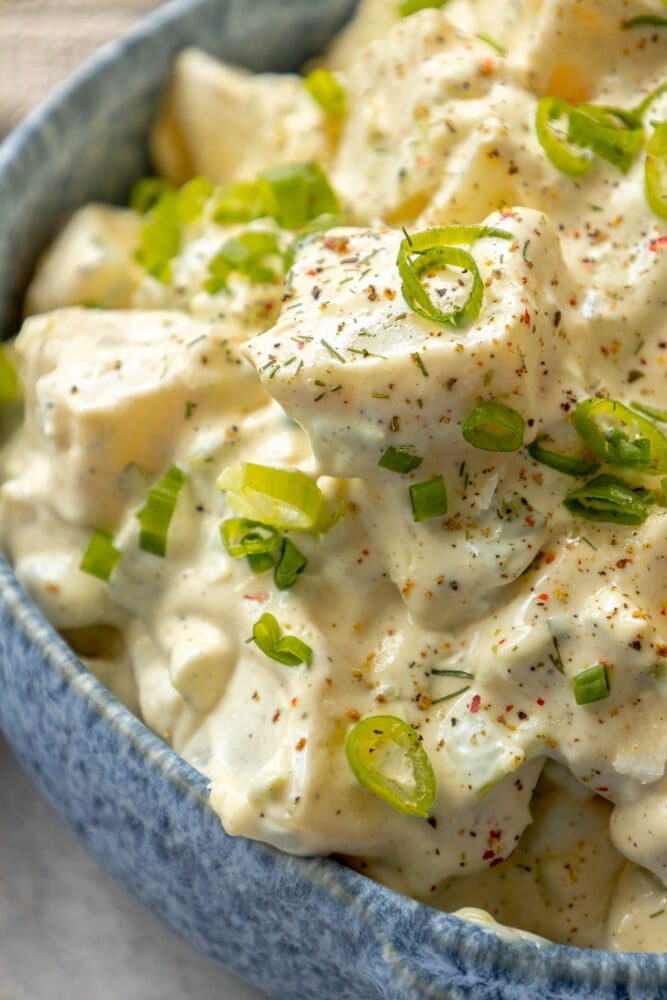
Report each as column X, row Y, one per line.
column 469, row 626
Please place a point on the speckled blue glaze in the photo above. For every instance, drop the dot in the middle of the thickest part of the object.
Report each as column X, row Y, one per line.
column 296, row 928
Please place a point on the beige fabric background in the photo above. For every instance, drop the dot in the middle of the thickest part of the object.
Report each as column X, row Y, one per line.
column 42, row 40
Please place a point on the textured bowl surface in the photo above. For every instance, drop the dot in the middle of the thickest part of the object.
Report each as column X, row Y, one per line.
column 296, row 928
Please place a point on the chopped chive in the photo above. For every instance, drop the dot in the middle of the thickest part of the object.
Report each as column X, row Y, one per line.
column 290, row 564
column 494, row 427
column 570, row 465
column 657, row 913
column 608, row 499
column 428, row 499
column 243, row 537
column 156, row 514
column 591, row 684
column 402, row 459
column 326, row 90
column 101, row 555
column 286, row 649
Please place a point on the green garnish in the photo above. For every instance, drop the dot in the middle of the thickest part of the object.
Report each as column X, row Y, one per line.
column 591, row 684
column 611, row 133
column 101, row 555
column 452, row 673
column 650, row 411
column 407, row 7
column 156, row 514
column 250, row 254
column 621, row 436
column 453, row 694
column 570, row 465
column 648, row 20
column 326, row 90
column 655, row 171
column 610, row 500
column 243, row 537
column 282, row 498
column 286, row 649
column 436, row 248
column 260, row 562
column 494, row 427
column 290, row 564
column 551, row 109
column 301, row 192
column 377, row 750
column 10, row 385
column 160, row 238
column 401, row 459
column 428, row 499
column 244, row 201
column 147, row 192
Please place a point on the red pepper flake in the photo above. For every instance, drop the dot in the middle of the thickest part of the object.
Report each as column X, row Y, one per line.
column 530, row 521
column 526, row 317
column 488, row 854
column 602, row 788
column 573, row 300
column 494, row 834
column 294, row 702
column 658, row 243
column 508, row 708
column 475, row 703
column 543, row 597
column 301, row 744
column 276, row 715
column 540, row 701
column 268, row 306
column 507, row 213
column 495, row 862
column 259, row 596
column 311, row 272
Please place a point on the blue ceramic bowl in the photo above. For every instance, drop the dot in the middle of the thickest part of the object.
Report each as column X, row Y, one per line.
column 294, row 927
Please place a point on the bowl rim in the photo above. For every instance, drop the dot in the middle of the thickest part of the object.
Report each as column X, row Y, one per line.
column 537, row 962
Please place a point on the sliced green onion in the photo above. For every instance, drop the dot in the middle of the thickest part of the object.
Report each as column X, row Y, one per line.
column 101, row 555
column 610, row 500
column 156, row 514
column 407, row 7
column 244, row 201
column 655, row 171
column 652, row 96
column 620, row 436
column 282, row 498
column 160, row 238
column 250, row 254
column 591, row 685
column 650, row 411
column 437, row 248
column 494, row 427
column 192, row 197
column 243, row 537
column 387, row 758
column 648, row 20
column 286, row 649
column 326, row 90
column 401, row 459
column 612, row 133
column 428, row 499
column 260, row 562
column 301, row 192
column 550, row 109
column 493, row 42
column 10, row 385
column 147, row 192
column 290, row 564
column 568, row 464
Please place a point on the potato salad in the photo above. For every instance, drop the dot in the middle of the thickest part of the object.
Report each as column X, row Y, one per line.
column 340, row 455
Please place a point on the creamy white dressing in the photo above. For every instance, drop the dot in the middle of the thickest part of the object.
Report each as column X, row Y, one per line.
column 322, row 372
